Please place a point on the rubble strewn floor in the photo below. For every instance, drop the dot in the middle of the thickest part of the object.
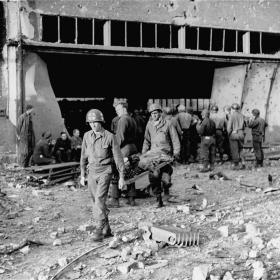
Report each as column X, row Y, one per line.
column 237, row 219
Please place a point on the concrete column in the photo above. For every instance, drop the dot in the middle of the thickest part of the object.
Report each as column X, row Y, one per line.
column 107, row 33
column 246, row 42
column 182, row 37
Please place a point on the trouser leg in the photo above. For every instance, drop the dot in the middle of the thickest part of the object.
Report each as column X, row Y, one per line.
column 212, row 154
column 115, row 192
column 220, row 143
column 131, row 191
column 204, row 152
column 166, row 178
column 58, row 156
column 257, row 145
column 234, row 151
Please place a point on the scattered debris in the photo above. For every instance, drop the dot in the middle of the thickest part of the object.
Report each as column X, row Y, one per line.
column 200, row 272
column 218, row 176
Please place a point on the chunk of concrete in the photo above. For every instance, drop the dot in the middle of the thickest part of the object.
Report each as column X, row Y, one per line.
column 259, row 271
column 126, row 267
column 274, row 243
column 62, row 261
column 57, row 242
column 200, row 272
column 223, row 231
column 228, row 276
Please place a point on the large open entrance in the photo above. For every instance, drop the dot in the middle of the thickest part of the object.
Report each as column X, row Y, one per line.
column 97, row 80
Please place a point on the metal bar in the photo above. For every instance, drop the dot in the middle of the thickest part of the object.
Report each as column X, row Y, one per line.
column 40, row 27
column 211, row 38
column 76, row 30
column 125, row 33
column 197, row 38
column 141, row 34
column 170, row 36
column 236, row 41
column 155, row 35
column 261, row 43
column 224, row 38
column 58, row 29
column 93, row 32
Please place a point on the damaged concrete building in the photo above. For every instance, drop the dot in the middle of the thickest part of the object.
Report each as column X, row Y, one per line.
column 174, row 51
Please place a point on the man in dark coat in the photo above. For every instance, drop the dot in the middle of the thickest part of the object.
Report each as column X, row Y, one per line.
column 43, row 150
column 25, row 136
column 257, row 124
column 62, row 148
column 126, row 134
column 76, row 145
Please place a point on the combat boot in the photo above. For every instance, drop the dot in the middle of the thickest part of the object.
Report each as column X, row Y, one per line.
column 205, row 168
column 97, row 234
column 159, row 201
column 106, row 231
column 114, row 203
column 131, row 201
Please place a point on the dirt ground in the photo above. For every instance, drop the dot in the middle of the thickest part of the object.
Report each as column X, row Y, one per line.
column 57, row 217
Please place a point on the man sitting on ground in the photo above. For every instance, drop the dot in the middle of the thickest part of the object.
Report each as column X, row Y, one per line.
column 43, row 150
column 76, row 144
column 62, row 148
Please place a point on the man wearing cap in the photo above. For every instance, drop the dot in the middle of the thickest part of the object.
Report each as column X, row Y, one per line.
column 43, row 150
column 235, row 129
column 257, row 124
column 207, row 131
column 126, row 134
column 160, row 136
column 25, row 136
column 220, row 130
column 100, row 153
column 184, row 120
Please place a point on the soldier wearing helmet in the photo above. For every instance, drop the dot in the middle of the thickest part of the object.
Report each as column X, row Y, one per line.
column 126, row 134
column 227, row 111
column 160, row 137
column 220, row 123
column 184, row 120
column 168, row 115
column 207, row 131
column 100, row 153
column 235, row 129
column 257, row 125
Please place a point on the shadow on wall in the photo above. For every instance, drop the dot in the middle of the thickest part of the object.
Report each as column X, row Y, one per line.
column 39, row 93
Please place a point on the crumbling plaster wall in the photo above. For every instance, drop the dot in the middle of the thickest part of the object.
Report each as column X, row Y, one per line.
column 39, row 93
column 254, row 89
column 247, row 14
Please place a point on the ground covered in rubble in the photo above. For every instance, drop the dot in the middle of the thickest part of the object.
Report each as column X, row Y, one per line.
column 238, row 220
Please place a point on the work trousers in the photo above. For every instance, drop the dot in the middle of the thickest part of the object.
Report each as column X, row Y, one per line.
column 257, row 145
column 236, row 149
column 194, row 140
column 115, row 192
column 220, row 142
column 76, row 155
column 98, row 184
column 208, row 149
column 160, row 180
column 63, row 156
column 186, row 146
column 227, row 145
column 25, row 152
column 42, row 161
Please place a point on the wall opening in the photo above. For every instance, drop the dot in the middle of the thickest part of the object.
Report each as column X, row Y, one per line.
column 133, row 34
column 85, row 31
column 118, row 33
column 67, row 30
column 148, row 35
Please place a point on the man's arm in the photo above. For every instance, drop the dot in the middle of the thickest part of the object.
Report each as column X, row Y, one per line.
column 19, row 125
column 121, row 127
column 84, row 157
column 118, row 157
column 175, row 140
column 147, row 141
column 229, row 125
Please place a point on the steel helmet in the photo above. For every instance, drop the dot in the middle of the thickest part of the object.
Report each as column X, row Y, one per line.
column 215, row 108
column 235, row 106
column 256, row 112
column 181, row 108
column 94, row 115
column 154, row 107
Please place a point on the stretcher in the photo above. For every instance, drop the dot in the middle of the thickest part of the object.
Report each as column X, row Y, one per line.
column 137, row 177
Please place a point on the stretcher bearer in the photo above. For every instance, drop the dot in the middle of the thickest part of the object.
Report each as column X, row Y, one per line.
column 161, row 137
column 100, row 153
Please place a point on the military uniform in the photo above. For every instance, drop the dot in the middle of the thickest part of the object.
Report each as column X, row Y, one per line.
column 235, row 129
column 220, row 132
column 126, row 137
column 161, row 137
column 207, row 131
column 102, row 153
column 258, row 128
column 184, row 120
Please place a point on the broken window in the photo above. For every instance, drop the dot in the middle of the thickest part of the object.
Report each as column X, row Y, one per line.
column 50, row 28
column 118, row 34
column 148, row 35
column 133, row 34
column 85, row 31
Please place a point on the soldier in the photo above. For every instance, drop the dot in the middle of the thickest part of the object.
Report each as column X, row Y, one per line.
column 227, row 111
column 220, row 123
column 160, row 136
column 25, row 136
column 235, row 129
column 207, row 131
column 257, row 124
column 184, row 120
column 101, row 152
column 126, row 134
column 174, row 121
